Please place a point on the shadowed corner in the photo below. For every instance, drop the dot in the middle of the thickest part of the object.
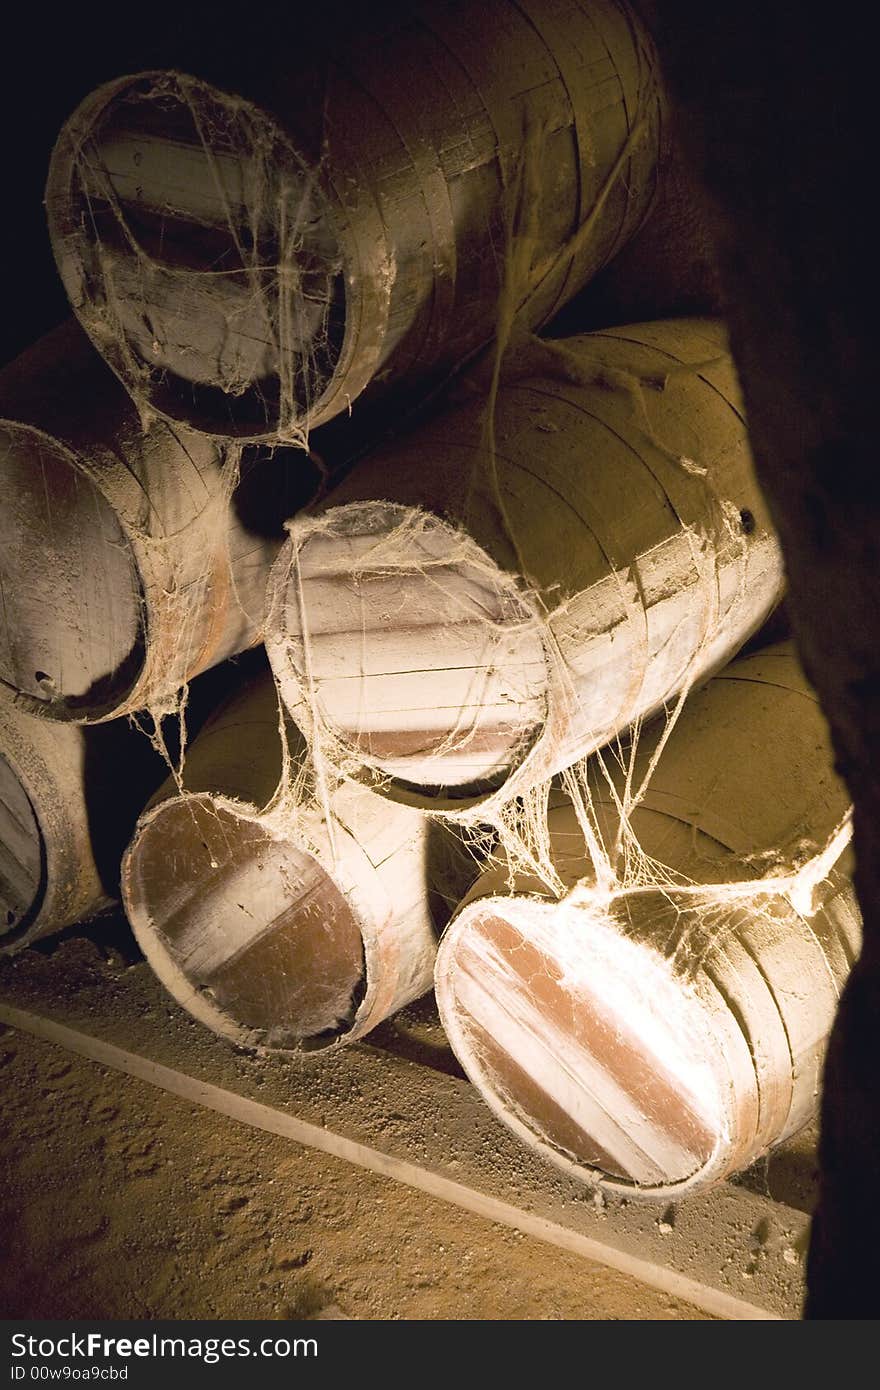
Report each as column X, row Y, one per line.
column 122, row 769
column 275, row 484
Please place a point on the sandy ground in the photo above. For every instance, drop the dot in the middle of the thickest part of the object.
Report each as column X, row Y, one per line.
column 120, row 1201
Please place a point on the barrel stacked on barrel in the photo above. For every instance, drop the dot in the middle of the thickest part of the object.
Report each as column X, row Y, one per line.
column 305, row 406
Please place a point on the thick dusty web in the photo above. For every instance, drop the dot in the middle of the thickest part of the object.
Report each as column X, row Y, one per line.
column 405, row 540
column 604, row 793
column 273, row 264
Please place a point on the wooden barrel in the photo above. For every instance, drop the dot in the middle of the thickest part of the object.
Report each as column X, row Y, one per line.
column 659, row 1039
column 445, row 637
column 69, row 799
column 125, row 566
column 275, row 926
column 250, row 261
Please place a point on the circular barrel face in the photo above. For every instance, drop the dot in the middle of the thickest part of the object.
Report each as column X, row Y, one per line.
column 71, row 638
column 247, row 931
column 21, row 852
column 208, row 251
column 422, row 660
column 584, row 1042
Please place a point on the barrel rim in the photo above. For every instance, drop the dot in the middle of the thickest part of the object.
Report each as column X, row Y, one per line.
column 366, row 304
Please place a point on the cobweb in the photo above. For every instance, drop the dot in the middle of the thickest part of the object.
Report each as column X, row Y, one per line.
column 247, row 252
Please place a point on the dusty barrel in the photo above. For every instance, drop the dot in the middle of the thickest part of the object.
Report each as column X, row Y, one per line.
column 250, row 260
column 458, row 619
column 69, row 798
column 279, row 929
column 124, row 564
column 658, row 1040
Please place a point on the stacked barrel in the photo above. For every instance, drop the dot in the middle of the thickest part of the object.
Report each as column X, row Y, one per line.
column 524, row 548
column 664, row 1034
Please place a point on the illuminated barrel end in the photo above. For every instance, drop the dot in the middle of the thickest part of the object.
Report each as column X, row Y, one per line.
column 592, row 1048
column 415, row 658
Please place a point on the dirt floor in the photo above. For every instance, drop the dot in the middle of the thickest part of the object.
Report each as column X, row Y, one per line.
column 120, row 1201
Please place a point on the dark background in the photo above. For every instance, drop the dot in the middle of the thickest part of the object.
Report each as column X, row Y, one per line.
column 53, row 58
